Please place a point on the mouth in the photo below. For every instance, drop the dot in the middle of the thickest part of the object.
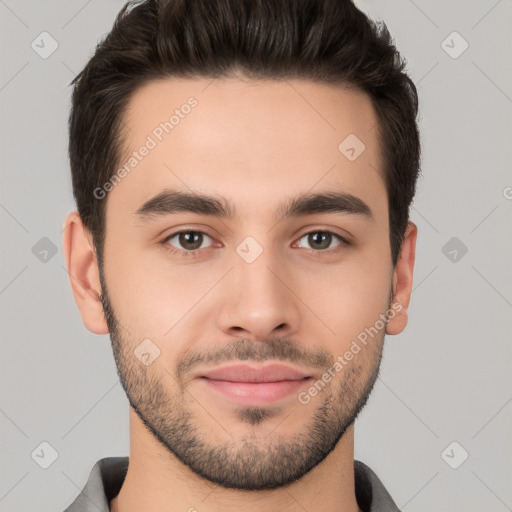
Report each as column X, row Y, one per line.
column 255, row 385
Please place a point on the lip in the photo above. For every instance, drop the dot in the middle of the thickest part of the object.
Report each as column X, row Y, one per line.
column 249, row 373
column 255, row 385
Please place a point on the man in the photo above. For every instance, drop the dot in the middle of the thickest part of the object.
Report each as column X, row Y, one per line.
column 243, row 173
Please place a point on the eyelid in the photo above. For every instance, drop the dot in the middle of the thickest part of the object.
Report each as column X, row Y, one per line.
column 175, row 250
column 345, row 235
column 341, row 238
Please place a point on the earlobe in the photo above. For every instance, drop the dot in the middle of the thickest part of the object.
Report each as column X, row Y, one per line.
column 82, row 267
column 402, row 282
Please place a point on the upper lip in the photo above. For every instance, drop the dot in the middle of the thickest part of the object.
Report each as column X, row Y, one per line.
column 251, row 373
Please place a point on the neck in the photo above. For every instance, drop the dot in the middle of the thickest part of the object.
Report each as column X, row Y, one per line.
column 157, row 480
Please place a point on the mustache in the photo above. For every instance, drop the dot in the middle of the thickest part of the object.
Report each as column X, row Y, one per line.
column 282, row 349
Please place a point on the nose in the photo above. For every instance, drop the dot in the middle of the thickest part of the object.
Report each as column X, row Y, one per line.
column 258, row 300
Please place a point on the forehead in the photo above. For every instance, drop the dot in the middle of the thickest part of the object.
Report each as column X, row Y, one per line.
column 249, row 140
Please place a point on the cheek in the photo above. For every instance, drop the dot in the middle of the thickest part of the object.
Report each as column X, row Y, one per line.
column 151, row 296
column 348, row 297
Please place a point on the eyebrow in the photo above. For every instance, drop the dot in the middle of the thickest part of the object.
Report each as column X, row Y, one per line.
column 169, row 202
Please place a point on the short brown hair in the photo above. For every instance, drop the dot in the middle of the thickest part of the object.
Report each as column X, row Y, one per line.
column 327, row 41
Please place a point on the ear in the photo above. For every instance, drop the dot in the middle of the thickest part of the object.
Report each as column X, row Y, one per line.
column 402, row 281
column 83, row 271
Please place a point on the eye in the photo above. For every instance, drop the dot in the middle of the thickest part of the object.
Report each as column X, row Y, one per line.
column 186, row 242
column 190, row 242
column 320, row 241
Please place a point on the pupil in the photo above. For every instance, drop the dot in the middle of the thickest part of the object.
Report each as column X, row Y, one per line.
column 320, row 237
column 184, row 239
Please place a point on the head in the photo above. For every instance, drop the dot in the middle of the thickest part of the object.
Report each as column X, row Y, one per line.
column 280, row 139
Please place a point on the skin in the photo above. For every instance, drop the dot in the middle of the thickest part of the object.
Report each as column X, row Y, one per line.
column 255, row 143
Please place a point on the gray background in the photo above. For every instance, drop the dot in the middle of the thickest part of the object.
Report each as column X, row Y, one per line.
column 445, row 378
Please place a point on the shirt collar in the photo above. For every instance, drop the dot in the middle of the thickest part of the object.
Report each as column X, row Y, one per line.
column 108, row 474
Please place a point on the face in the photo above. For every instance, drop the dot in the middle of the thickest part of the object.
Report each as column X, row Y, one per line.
column 232, row 267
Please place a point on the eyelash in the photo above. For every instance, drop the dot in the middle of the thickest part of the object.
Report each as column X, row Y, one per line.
column 196, row 252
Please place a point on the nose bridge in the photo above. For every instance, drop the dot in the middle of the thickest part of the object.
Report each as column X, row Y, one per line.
column 257, row 299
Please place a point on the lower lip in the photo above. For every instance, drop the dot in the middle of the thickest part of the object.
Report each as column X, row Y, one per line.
column 256, row 393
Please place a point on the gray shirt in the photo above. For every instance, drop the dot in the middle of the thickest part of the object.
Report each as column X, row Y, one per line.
column 108, row 474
